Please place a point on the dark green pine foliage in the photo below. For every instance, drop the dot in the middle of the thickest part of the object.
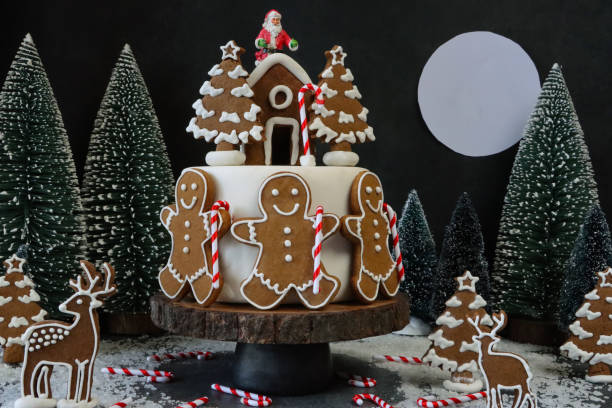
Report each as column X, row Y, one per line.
column 39, row 193
column 126, row 183
column 551, row 189
column 418, row 255
column 592, row 253
column 462, row 249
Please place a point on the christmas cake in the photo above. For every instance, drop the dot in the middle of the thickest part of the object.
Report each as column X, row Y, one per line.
column 297, row 227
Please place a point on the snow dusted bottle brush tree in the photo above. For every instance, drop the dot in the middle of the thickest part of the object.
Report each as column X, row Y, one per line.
column 452, row 347
column 592, row 253
column 39, row 191
column 419, row 257
column 591, row 334
column 462, row 250
column 551, row 189
column 127, row 181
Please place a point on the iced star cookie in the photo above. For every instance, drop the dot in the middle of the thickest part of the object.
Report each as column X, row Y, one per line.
column 367, row 228
column 285, row 236
column 189, row 224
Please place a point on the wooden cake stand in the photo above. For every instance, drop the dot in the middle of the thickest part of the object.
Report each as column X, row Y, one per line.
column 284, row 351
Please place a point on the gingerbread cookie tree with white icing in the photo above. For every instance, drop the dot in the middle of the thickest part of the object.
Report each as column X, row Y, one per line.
column 18, row 307
column 226, row 115
column 341, row 120
column 591, row 334
column 452, row 346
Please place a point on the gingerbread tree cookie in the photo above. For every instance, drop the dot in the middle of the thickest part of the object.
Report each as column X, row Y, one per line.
column 452, row 347
column 75, row 345
column 501, row 370
column 190, row 223
column 226, row 115
column 285, row 236
column 18, row 308
column 591, row 334
column 342, row 120
column 367, row 228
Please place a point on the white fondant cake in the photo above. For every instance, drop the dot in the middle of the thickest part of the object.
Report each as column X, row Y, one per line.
column 239, row 185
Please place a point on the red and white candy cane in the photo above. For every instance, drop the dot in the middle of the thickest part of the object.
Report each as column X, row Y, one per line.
column 316, row 275
column 194, row 403
column 358, row 380
column 247, row 398
column 392, row 216
column 214, row 221
column 399, row 359
column 122, row 404
column 136, row 372
column 205, row 356
column 308, row 158
column 358, row 399
column 154, row 379
column 424, row 402
column 177, row 356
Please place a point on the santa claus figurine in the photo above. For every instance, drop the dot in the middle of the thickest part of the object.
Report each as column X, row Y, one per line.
column 272, row 37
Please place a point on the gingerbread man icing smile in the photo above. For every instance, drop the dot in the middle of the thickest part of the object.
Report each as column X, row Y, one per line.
column 285, row 237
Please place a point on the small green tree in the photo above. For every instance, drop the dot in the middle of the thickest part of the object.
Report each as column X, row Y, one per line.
column 550, row 191
column 592, row 253
column 127, row 181
column 462, row 250
column 418, row 255
column 39, row 191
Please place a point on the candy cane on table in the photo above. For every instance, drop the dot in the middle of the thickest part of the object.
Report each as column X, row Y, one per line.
column 358, row 399
column 392, row 216
column 153, row 379
column 205, row 356
column 214, row 221
column 308, row 158
column 194, row 403
column 399, row 359
column 316, row 275
column 424, row 402
column 137, row 372
column 176, row 356
column 248, row 398
column 357, row 380
column 122, row 404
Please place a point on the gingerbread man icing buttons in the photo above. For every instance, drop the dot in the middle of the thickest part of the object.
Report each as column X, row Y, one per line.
column 189, row 265
column 367, row 228
column 285, row 236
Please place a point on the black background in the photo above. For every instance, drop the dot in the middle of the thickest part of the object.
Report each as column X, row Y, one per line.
column 388, row 43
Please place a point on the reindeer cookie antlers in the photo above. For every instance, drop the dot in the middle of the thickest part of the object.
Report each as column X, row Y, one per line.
column 73, row 345
column 501, row 370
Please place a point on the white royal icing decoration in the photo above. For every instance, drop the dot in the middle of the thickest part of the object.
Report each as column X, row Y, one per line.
column 201, row 110
column 345, row 118
column 473, row 346
column 353, row 93
column 40, row 317
column 327, row 91
column 448, row 320
column 288, row 258
column 251, row 115
column 322, row 130
column 24, row 282
column 208, row 89
column 348, row 77
column 237, row 72
column 453, row 302
column 338, row 55
column 18, row 322
column 603, row 339
column 320, row 109
column 243, row 90
column 3, row 282
column 592, row 295
column 4, row 300
column 229, row 117
column 577, row 330
column 327, row 73
column 575, row 353
column 215, row 70
column 437, row 361
column 439, row 340
column 585, row 312
column 363, row 115
column 477, row 303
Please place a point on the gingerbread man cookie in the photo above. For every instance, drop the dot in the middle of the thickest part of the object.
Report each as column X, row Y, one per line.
column 285, row 236
column 189, row 225
column 368, row 229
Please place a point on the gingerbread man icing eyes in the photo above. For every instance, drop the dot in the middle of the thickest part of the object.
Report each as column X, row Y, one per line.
column 285, row 237
column 367, row 228
column 189, row 225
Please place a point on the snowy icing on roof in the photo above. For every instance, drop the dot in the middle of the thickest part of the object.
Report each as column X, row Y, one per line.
column 283, row 60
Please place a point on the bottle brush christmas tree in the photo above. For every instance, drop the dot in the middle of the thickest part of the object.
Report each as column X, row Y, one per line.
column 419, row 257
column 39, row 191
column 551, row 189
column 592, row 253
column 462, row 250
column 127, row 181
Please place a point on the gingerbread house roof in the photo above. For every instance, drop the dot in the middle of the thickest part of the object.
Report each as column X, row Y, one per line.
column 278, row 58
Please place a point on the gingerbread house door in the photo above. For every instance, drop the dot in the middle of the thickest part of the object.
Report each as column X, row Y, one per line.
column 282, row 143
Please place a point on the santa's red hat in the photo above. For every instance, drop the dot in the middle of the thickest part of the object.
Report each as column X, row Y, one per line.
column 270, row 14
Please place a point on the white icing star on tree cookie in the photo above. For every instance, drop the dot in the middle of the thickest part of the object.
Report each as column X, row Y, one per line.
column 471, row 286
column 230, row 50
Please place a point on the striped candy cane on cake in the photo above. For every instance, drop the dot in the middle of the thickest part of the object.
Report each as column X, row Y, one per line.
column 122, row 404
column 177, row 356
column 357, row 380
column 214, row 221
column 194, row 403
column 392, row 216
column 358, row 399
column 247, row 398
column 316, row 276
column 398, row 359
column 206, row 356
column 153, row 379
column 307, row 159
column 424, row 402
column 136, row 372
